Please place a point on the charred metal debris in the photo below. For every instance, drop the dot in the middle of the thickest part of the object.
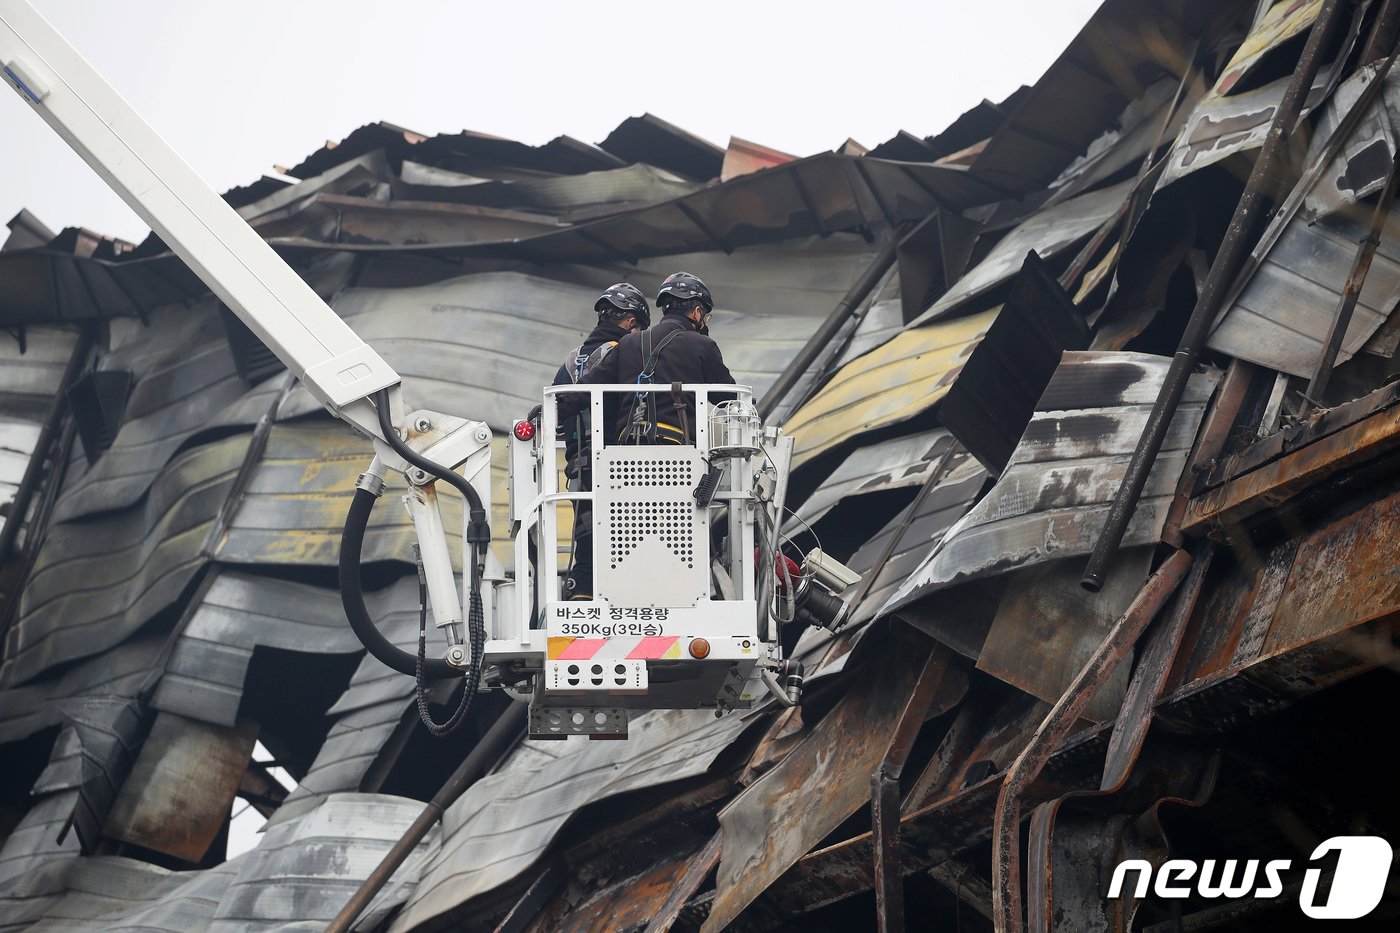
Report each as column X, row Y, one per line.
column 1153, row 293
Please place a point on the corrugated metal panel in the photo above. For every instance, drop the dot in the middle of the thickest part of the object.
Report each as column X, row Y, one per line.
column 565, row 195
column 1360, row 167
column 900, row 379
column 367, row 177
column 893, row 464
column 1046, row 628
column 110, row 731
column 115, row 894
column 651, row 139
column 1047, row 231
column 183, row 379
column 1086, row 87
column 945, row 504
column 815, row 196
column 95, row 582
column 293, row 510
column 29, row 376
column 1224, row 123
column 204, row 677
column 881, row 323
column 482, row 346
column 177, row 796
column 300, row 875
column 1220, row 127
column 1274, row 26
column 33, row 865
column 505, row 821
column 1138, row 128
column 1283, row 315
column 369, row 710
column 118, row 671
column 30, row 371
column 1053, row 497
column 304, row 871
column 65, row 768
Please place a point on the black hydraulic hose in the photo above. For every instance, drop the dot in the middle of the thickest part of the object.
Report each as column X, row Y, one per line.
column 353, row 598
column 456, row 480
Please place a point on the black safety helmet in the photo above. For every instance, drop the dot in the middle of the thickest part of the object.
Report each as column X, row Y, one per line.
column 624, row 298
column 684, row 287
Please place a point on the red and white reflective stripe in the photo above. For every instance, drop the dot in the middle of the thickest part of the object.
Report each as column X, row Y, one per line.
column 629, row 647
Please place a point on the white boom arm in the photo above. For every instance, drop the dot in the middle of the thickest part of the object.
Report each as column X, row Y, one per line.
column 237, row 264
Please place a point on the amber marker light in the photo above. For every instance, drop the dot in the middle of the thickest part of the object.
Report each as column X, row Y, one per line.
column 699, row 648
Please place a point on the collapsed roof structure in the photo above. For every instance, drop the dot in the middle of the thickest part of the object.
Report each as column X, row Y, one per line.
column 968, row 336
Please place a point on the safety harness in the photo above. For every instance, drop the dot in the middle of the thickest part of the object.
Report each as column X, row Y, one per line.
column 641, row 420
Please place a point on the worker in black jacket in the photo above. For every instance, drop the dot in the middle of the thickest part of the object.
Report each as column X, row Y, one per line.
column 622, row 309
column 677, row 349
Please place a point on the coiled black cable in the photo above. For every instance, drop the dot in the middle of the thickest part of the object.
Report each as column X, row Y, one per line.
column 476, row 629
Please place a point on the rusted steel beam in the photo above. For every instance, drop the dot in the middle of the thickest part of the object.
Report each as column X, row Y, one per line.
column 884, row 787
column 1277, row 482
column 1260, row 192
column 1006, row 836
column 963, row 882
column 889, row 881
column 1215, row 431
column 1382, row 38
column 1318, row 426
column 1150, row 677
column 702, row 865
column 934, row 834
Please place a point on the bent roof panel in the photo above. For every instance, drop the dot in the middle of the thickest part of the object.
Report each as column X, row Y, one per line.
column 1282, row 317
column 1047, row 232
column 183, row 380
column 96, row 582
column 506, row 820
column 204, row 677
column 1052, row 499
column 892, row 383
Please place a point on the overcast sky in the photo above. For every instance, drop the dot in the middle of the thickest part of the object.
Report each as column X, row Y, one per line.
column 240, row 87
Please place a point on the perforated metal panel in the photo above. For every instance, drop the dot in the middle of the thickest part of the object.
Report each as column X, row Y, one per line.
column 651, row 543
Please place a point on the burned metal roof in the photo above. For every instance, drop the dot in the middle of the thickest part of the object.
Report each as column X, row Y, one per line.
column 179, row 589
column 1051, row 500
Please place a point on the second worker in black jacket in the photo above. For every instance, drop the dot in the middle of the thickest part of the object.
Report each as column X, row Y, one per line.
column 677, row 349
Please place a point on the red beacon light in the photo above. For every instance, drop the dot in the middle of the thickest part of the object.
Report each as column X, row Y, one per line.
column 524, row 430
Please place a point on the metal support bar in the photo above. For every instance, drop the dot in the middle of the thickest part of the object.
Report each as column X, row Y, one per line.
column 885, row 796
column 702, row 865
column 1150, row 676
column 936, row 476
column 1259, row 193
column 34, row 471
column 1006, row 838
column 1351, row 292
column 856, row 294
column 1382, row 38
column 889, row 879
column 500, row 737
